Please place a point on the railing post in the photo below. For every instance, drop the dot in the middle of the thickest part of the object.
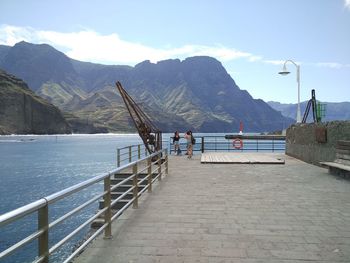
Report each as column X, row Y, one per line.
column 130, row 157
column 118, row 157
column 166, row 162
column 273, row 144
column 135, row 191
column 202, row 144
column 160, row 167
column 43, row 224
column 149, row 174
column 257, row 145
column 139, row 151
column 108, row 212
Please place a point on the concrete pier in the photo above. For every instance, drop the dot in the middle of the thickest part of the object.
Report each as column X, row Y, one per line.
column 294, row 212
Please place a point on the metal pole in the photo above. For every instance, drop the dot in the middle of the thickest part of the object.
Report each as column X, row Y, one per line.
column 298, row 80
column 107, row 203
column 202, row 144
column 149, row 174
column 43, row 224
column 160, row 167
column 166, row 162
column 135, row 204
column 118, row 157
column 139, row 150
column 130, row 149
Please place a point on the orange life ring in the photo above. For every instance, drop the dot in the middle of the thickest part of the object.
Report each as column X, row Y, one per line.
column 237, row 143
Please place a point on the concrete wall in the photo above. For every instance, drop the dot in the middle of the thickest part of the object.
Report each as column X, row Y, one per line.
column 301, row 140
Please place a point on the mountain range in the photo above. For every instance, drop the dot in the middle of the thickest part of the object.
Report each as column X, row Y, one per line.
column 196, row 93
column 333, row 110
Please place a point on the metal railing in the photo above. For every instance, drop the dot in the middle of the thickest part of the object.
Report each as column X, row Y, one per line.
column 41, row 207
column 247, row 143
column 130, row 153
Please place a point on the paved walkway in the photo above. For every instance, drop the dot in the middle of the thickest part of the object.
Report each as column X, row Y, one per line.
column 234, row 213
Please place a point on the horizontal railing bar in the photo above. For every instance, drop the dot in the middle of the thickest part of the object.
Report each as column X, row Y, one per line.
column 143, row 170
column 22, row 211
column 142, row 191
column 121, row 196
column 142, row 180
column 116, row 215
column 122, row 182
column 62, row 218
column 38, row 260
column 80, row 248
column 72, row 234
column 21, row 243
column 133, row 145
column 68, row 191
column 75, row 188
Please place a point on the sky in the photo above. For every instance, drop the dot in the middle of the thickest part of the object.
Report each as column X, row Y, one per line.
column 251, row 38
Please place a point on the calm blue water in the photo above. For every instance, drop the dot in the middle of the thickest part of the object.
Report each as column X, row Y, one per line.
column 32, row 167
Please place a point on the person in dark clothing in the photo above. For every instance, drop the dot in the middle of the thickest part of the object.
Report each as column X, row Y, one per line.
column 176, row 142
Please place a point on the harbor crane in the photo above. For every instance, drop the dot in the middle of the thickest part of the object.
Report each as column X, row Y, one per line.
column 149, row 133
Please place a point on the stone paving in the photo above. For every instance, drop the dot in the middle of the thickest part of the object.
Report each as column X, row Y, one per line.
column 213, row 213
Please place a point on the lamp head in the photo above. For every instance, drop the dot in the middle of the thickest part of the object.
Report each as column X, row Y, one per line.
column 284, row 71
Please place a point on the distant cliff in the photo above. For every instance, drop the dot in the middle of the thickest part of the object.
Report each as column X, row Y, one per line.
column 23, row 112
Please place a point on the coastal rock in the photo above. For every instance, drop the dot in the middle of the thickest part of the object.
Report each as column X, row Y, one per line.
column 23, row 112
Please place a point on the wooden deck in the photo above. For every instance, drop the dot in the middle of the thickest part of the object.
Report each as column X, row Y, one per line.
column 242, row 158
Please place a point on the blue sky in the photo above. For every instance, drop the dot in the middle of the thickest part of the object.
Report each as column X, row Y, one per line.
column 251, row 38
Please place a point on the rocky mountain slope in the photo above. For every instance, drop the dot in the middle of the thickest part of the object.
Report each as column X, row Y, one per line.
column 23, row 112
column 196, row 93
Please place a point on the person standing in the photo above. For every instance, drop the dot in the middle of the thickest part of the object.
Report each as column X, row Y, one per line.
column 188, row 136
column 176, row 142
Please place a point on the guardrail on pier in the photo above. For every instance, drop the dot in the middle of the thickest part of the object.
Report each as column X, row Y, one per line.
column 130, row 153
column 151, row 167
column 235, row 143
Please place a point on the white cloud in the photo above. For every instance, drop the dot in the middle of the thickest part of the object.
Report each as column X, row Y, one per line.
column 274, row 62
column 347, row 4
column 88, row 45
column 333, row 65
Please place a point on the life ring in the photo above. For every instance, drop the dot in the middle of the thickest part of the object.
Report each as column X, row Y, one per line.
column 237, row 143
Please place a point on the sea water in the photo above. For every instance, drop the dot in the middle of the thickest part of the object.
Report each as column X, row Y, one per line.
column 32, row 167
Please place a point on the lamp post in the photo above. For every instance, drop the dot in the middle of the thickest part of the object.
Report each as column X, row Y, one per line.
column 286, row 72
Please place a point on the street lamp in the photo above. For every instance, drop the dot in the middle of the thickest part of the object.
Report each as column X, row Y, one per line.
column 286, row 72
